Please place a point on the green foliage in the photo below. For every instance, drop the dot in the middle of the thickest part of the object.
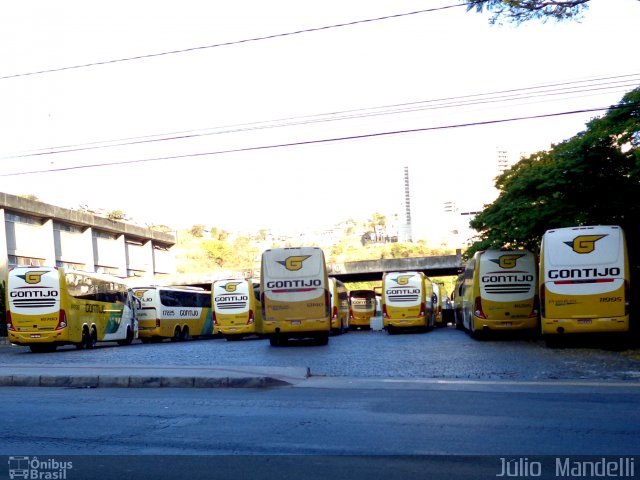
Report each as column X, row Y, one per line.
column 592, row 178
column 29, row 196
column 218, row 252
column 219, row 234
column 518, row 11
column 116, row 215
column 161, row 228
column 197, row 231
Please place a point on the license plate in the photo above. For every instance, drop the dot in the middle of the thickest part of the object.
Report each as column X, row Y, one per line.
column 295, row 322
column 584, row 322
column 35, row 335
column 507, row 324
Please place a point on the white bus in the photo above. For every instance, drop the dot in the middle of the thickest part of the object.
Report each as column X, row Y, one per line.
column 294, row 294
column 584, row 281
column 237, row 312
column 177, row 313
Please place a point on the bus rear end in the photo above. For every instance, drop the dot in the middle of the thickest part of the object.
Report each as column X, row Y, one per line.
column 234, row 308
column 363, row 307
column 35, row 316
column 507, row 296
column 584, row 280
column 403, row 301
column 294, row 294
column 148, row 313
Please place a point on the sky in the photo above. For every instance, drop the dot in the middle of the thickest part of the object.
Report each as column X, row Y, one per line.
column 261, row 118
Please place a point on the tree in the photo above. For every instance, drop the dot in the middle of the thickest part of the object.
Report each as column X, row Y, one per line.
column 197, row 231
column 377, row 220
column 518, row 11
column 592, row 178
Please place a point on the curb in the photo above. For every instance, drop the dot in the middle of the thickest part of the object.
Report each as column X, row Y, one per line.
column 107, row 381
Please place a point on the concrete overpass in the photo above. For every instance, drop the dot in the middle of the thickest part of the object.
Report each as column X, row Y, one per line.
column 370, row 270
column 360, row 271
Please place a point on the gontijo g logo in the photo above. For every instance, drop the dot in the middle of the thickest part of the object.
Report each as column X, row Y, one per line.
column 294, row 263
column 402, row 279
column 508, row 261
column 231, row 286
column 584, row 243
column 33, row 277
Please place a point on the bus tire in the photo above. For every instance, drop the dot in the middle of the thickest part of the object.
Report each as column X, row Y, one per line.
column 93, row 338
column 128, row 339
column 176, row 334
column 475, row 333
column 84, row 342
column 145, row 340
column 322, row 339
column 277, row 340
column 184, row 335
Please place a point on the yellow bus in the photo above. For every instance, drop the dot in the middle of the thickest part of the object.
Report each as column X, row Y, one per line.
column 500, row 292
column 294, row 295
column 584, row 281
column 48, row 307
column 437, row 304
column 237, row 311
column 339, row 296
column 177, row 313
column 456, row 300
column 405, row 298
column 363, row 307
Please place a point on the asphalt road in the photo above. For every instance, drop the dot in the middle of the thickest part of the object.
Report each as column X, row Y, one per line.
column 440, row 354
column 438, row 405
column 448, row 430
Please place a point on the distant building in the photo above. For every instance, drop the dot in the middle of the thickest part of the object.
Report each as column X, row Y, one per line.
column 39, row 234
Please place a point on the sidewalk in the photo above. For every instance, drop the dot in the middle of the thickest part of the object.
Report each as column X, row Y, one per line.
column 122, row 376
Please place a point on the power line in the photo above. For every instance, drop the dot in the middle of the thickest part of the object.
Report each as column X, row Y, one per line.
column 226, row 44
column 314, row 142
column 544, row 90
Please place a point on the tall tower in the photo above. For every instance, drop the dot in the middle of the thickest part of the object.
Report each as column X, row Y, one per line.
column 405, row 234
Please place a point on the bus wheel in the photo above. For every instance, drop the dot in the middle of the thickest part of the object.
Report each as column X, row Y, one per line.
column 475, row 333
column 93, row 339
column 128, row 340
column 84, row 342
column 176, row 335
column 322, row 339
column 277, row 340
column 185, row 334
column 145, row 340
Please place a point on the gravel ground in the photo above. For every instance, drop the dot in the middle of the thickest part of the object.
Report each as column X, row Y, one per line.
column 442, row 353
